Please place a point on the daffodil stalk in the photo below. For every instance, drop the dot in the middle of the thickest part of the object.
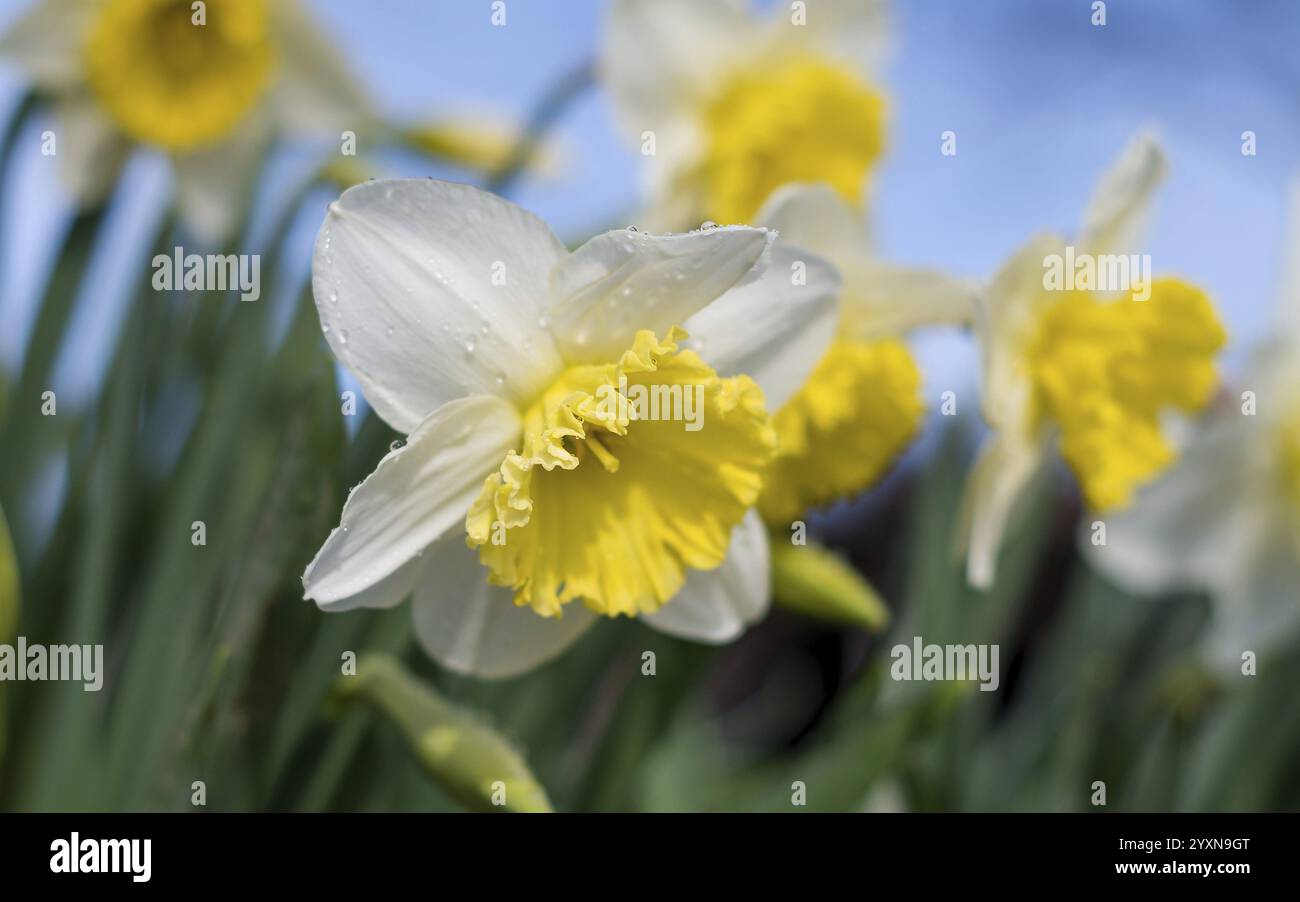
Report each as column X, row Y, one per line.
column 9, row 607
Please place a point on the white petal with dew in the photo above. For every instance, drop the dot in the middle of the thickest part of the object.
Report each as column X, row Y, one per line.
column 623, row 281
column 418, row 492
column 388, row 592
column 770, row 329
column 429, row 291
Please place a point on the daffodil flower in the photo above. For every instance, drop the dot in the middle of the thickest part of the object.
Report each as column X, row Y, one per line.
column 1089, row 371
column 862, row 405
column 726, row 107
column 205, row 83
column 533, row 493
column 1226, row 518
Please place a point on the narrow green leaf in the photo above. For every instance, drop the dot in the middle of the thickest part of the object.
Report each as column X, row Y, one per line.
column 8, row 607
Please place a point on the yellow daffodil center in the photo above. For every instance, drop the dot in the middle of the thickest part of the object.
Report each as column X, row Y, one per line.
column 802, row 120
column 854, row 415
column 171, row 77
column 1104, row 371
column 629, row 474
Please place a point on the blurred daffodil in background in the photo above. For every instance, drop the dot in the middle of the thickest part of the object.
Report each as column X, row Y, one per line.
column 1226, row 517
column 1090, row 372
column 862, row 405
column 208, row 84
column 520, row 489
column 726, row 107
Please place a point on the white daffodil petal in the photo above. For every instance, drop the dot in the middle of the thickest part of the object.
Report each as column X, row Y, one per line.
column 1007, row 307
column 1289, row 299
column 771, row 329
column 416, row 494
column 93, row 151
column 661, row 56
column 855, row 31
column 317, row 92
column 387, row 593
column 47, row 42
column 882, row 300
column 623, row 281
column 1005, row 466
column 1191, row 527
column 472, row 627
column 429, row 291
column 1117, row 212
column 213, row 184
column 717, row 605
column 813, row 216
column 1259, row 614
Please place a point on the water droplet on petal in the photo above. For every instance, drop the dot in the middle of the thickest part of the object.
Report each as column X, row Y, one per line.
column 470, row 345
column 397, row 445
column 708, row 224
column 343, row 336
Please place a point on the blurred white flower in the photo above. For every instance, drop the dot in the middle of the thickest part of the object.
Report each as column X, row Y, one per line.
column 471, row 328
column 862, row 405
column 725, row 108
column 1092, row 372
column 1226, row 518
column 206, row 86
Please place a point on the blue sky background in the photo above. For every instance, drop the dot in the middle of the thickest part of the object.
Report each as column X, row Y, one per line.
column 1040, row 99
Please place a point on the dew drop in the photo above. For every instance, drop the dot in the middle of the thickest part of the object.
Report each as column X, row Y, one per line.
column 343, row 336
column 470, row 345
column 708, row 224
column 397, row 445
